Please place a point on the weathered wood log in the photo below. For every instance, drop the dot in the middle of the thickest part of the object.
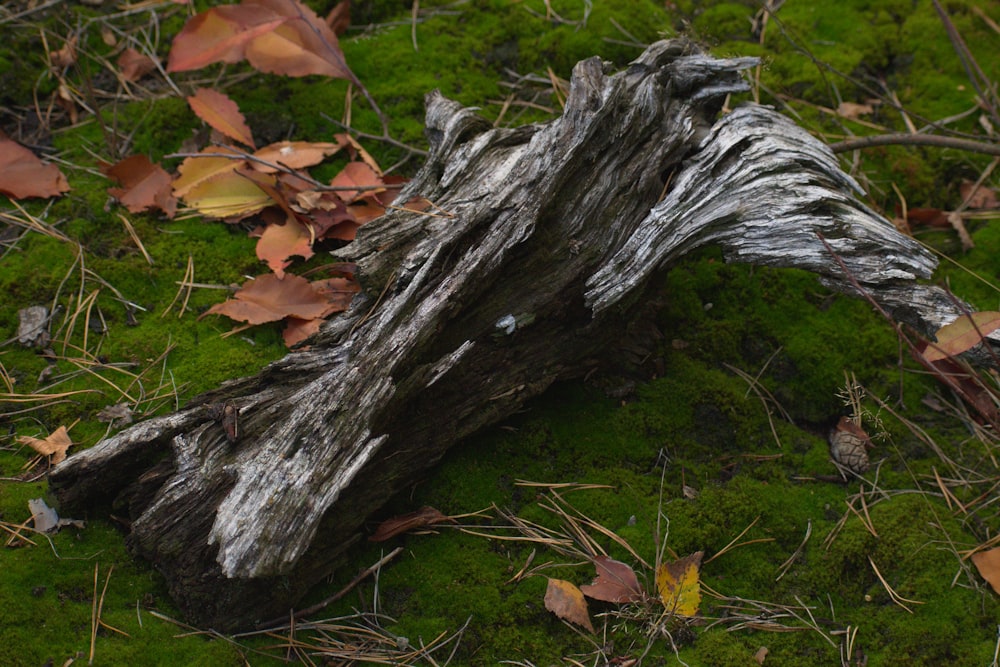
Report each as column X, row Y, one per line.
column 550, row 236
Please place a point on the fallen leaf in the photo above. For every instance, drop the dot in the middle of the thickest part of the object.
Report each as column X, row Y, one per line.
column 219, row 34
column 275, row 36
column 358, row 151
column 566, row 601
column 293, row 154
column 339, row 18
column 963, row 334
column 679, row 584
column 616, row 582
column 120, row 412
column 268, row 298
column 281, row 241
column 365, row 210
column 359, row 175
column 978, row 196
column 196, row 170
column 147, row 185
column 228, row 194
column 338, row 291
column 297, row 330
column 221, row 113
column 304, row 44
column 853, row 110
column 53, row 446
column 930, row 217
column 397, row 525
column 65, row 56
column 24, row 175
column 988, row 564
column 135, row 65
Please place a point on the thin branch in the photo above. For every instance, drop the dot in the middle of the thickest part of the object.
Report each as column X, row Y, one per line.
column 915, row 140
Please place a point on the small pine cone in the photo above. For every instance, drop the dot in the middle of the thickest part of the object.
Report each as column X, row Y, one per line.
column 849, row 446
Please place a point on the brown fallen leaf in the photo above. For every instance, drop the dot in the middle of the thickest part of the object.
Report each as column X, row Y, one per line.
column 65, row 56
column 280, row 242
column 338, row 291
column 616, row 582
column 360, row 175
column 969, row 386
column 221, row 113
column 930, row 217
column 566, row 601
column 22, row 174
column 339, row 18
column 268, row 298
column 294, row 154
column 853, row 110
column 988, row 564
column 397, row 525
column 219, row 34
column 302, row 45
column 275, row 36
column 135, row 65
column 147, row 185
column 53, row 446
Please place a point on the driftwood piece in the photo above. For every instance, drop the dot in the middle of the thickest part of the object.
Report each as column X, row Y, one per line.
column 549, row 237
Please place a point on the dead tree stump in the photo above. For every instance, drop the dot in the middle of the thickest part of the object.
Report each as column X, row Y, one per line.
column 551, row 234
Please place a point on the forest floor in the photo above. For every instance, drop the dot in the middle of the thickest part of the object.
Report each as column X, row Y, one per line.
column 718, row 443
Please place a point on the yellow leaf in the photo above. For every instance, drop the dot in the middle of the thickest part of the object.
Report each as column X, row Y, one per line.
column 196, row 170
column 679, row 585
column 227, row 195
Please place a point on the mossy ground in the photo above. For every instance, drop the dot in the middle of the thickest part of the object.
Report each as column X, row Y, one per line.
column 693, row 423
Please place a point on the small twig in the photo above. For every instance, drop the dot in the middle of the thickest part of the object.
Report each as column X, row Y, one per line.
column 915, row 140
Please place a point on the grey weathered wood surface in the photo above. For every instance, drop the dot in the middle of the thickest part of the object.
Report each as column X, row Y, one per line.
column 551, row 236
